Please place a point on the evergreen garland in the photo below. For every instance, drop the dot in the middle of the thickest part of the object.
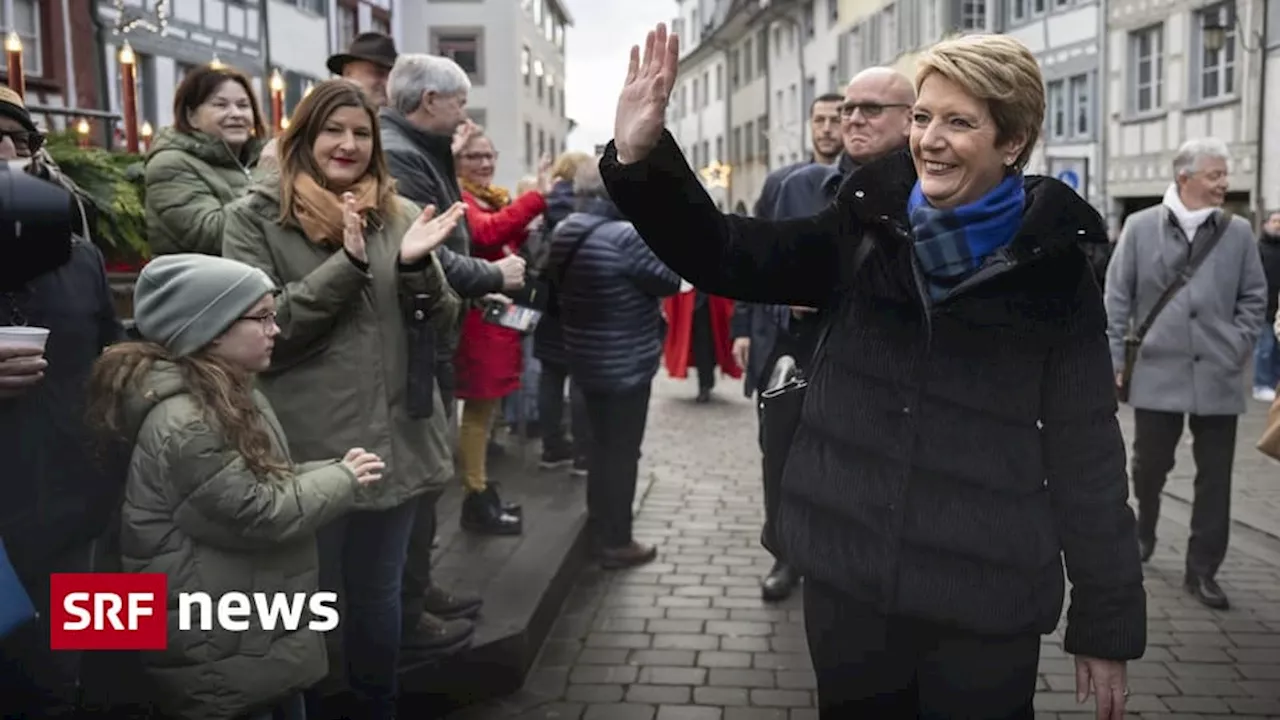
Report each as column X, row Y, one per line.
column 113, row 193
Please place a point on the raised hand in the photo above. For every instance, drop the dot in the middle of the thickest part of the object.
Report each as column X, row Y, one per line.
column 545, row 180
column 642, row 104
column 353, row 229
column 428, row 232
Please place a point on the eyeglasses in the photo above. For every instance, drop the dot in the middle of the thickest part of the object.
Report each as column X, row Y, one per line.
column 266, row 320
column 869, row 110
column 23, row 140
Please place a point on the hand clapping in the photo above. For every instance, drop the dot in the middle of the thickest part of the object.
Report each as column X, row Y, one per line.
column 428, row 232
column 353, row 229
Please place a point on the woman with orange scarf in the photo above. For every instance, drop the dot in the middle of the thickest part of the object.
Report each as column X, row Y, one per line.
column 363, row 302
column 490, row 358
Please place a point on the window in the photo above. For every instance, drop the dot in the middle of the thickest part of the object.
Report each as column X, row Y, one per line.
column 1213, row 72
column 551, row 147
column 833, row 12
column 1017, row 10
column 833, row 78
column 145, row 66
column 706, row 88
column 524, row 64
column 762, row 51
column 810, row 92
column 1081, row 93
column 528, row 144
column 749, row 141
column 735, row 147
column 542, row 146
column 735, row 76
column 719, row 82
column 720, row 148
column 319, row 7
column 808, row 21
column 697, row 95
column 763, row 128
column 346, row 25
column 23, row 17
column 464, row 49
column 295, row 84
column 746, row 61
column 551, row 91
column 540, row 72
column 1057, row 101
column 1146, row 62
column 382, row 25
column 1038, row 6
column 973, row 14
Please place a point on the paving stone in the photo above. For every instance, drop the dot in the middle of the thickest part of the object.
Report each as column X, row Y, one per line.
column 688, row 712
column 620, row 711
column 673, row 675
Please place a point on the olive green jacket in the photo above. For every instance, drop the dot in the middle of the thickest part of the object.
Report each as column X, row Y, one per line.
column 340, row 368
column 189, row 179
column 194, row 512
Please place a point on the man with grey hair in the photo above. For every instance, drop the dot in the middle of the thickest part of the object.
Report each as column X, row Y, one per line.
column 1189, row 365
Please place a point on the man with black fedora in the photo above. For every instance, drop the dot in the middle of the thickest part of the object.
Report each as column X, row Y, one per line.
column 367, row 61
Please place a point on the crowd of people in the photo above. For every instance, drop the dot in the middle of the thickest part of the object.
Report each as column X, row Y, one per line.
column 321, row 345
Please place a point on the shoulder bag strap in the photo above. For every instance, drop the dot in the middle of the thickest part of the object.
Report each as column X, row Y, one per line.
column 1196, row 257
column 860, row 256
column 573, row 251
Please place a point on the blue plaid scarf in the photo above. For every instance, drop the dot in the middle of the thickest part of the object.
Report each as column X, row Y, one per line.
column 952, row 244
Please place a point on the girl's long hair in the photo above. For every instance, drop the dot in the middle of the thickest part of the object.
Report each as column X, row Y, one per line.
column 222, row 392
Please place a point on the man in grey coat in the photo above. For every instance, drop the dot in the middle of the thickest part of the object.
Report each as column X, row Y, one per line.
column 1192, row 361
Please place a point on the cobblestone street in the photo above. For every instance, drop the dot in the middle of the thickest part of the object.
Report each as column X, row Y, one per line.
column 688, row 638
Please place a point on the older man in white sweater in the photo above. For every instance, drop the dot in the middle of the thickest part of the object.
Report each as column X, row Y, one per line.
column 1190, row 365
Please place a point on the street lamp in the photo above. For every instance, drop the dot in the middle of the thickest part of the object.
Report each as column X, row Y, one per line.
column 1214, row 33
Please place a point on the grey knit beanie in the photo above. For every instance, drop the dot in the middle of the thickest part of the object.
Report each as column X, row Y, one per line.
column 185, row 301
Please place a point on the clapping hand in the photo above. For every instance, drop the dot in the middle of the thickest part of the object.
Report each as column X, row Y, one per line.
column 642, row 105
column 353, row 229
column 545, row 180
column 462, row 135
column 428, row 232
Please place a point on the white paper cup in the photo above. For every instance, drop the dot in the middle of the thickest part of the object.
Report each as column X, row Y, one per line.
column 21, row 336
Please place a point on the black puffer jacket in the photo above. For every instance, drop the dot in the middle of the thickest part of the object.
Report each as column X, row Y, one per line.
column 548, row 337
column 950, row 455
column 613, row 325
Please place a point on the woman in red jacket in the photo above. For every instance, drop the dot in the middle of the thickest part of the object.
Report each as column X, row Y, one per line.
column 489, row 361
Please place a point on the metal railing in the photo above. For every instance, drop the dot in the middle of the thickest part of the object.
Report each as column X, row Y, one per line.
column 106, row 134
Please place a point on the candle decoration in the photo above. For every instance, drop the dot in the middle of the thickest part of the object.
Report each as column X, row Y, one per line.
column 129, row 96
column 216, row 63
column 146, row 136
column 82, row 132
column 13, row 66
column 277, row 100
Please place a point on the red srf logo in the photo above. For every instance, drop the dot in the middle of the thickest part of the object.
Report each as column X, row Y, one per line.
column 108, row 611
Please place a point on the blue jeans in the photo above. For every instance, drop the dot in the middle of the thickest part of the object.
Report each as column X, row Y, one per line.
column 293, row 707
column 1266, row 360
column 362, row 558
column 525, row 399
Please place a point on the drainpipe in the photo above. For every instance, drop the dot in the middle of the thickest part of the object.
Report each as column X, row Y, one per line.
column 265, row 32
column 1103, row 126
column 104, row 83
column 1258, row 208
column 73, row 97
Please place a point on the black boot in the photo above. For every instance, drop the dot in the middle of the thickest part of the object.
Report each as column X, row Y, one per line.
column 451, row 606
column 510, row 508
column 481, row 513
column 779, row 583
column 431, row 638
column 1207, row 591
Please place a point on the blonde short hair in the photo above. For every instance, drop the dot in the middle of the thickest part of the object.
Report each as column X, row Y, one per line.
column 566, row 166
column 1001, row 72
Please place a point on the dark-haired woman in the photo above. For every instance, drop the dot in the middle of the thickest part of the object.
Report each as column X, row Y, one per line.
column 203, row 161
column 359, row 279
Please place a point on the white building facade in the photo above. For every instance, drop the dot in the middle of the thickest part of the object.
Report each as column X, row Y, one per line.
column 1064, row 35
column 698, row 110
column 514, row 54
column 1169, row 81
column 804, row 63
column 168, row 39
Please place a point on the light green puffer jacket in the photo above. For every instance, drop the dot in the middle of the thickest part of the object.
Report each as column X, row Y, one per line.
column 194, row 512
column 190, row 178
